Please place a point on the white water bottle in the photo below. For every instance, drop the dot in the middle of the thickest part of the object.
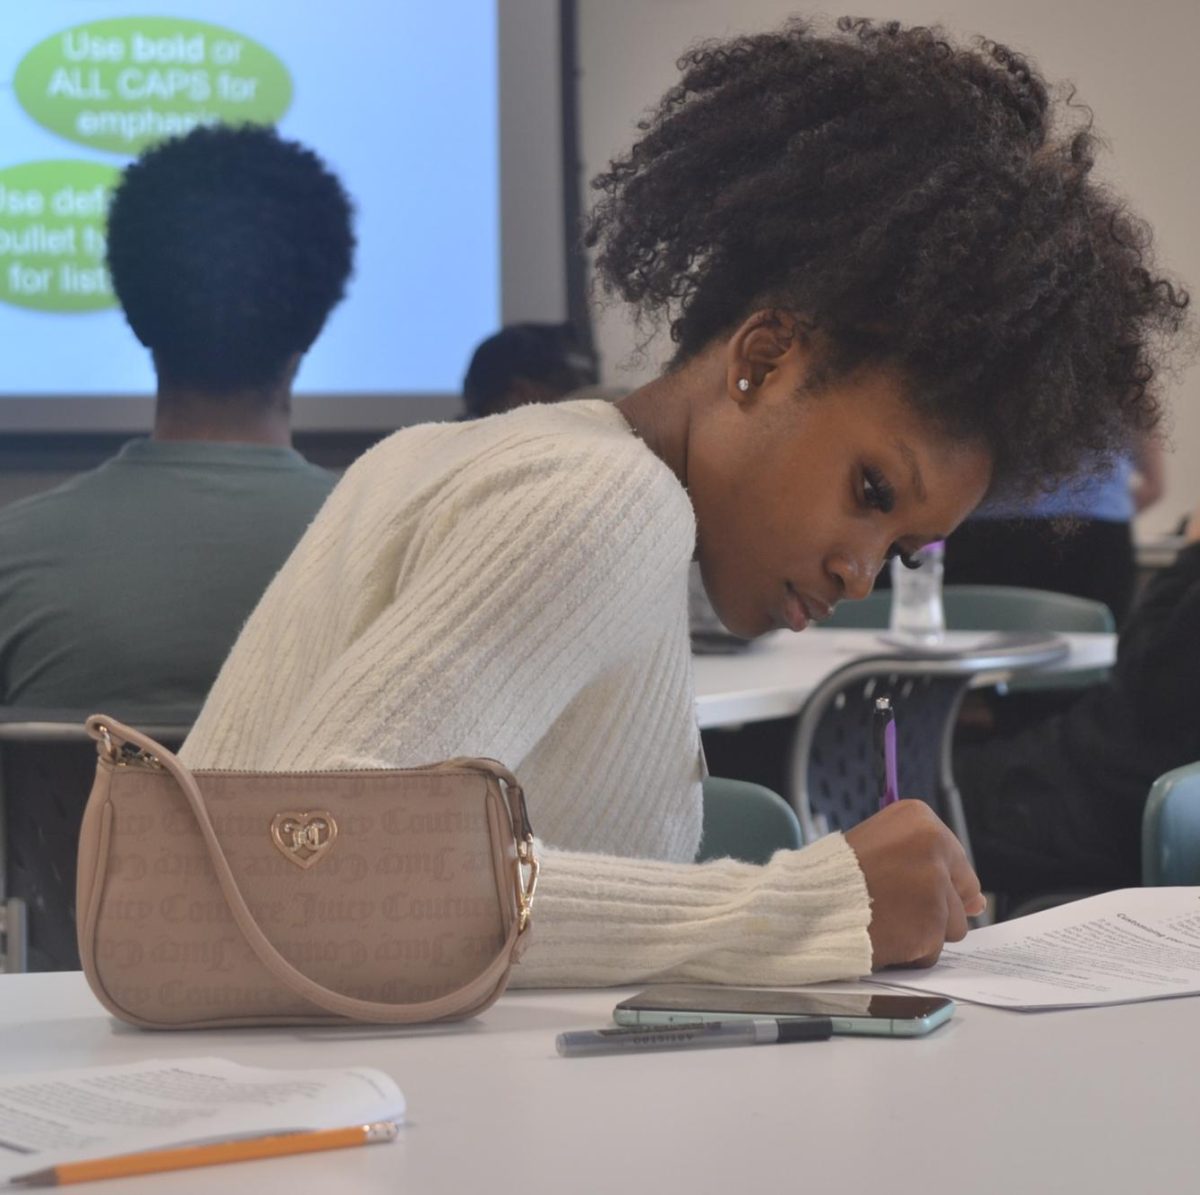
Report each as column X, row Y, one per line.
column 917, row 611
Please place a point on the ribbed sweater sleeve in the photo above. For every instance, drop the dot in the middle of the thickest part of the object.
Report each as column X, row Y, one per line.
column 511, row 602
column 601, row 920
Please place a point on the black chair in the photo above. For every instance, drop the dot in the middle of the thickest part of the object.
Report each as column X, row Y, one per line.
column 834, row 783
column 47, row 762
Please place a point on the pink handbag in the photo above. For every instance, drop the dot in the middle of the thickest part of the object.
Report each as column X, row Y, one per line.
column 280, row 898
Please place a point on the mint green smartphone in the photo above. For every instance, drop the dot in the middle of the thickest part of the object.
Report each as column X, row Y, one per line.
column 880, row 1015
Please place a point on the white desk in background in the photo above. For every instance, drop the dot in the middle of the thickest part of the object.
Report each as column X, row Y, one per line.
column 1159, row 552
column 775, row 675
column 1100, row 1102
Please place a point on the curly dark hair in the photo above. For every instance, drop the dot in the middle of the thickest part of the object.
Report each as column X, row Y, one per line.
column 913, row 200
column 228, row 248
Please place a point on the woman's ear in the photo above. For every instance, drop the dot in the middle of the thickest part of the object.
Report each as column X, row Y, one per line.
column 768, row 345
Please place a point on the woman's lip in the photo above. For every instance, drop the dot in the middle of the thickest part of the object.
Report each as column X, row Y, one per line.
column 818, row 611
column 795, row 612
column 801, row 609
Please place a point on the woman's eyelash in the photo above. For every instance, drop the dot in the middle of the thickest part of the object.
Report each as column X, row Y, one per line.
column 877, row 490
column 906, row 558
column 878, row 494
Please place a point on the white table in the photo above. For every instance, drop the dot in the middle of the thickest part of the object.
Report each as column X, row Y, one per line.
column 775, row 675
column 1159, row 552
column 1099, row 1102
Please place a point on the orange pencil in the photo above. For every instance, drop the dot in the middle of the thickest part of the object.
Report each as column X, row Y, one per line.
column 157, row 1160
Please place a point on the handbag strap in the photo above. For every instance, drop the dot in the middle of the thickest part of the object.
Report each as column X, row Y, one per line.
column 111, row 735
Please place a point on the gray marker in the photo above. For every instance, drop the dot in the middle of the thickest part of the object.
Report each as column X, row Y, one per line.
column 636, row 1039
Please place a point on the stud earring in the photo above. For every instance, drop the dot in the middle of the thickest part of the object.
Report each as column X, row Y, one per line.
column 743, row 384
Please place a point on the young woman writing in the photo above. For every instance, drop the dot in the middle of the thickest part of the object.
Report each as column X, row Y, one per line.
column 892, row 290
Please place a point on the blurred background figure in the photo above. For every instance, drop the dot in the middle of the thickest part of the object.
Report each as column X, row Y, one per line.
column 1077, row 539
column 1058, row 806
column 124, row 588
column 526, row 363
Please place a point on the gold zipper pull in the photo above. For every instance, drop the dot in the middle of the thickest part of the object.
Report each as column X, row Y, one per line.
column 136, row 757
column 125, row 755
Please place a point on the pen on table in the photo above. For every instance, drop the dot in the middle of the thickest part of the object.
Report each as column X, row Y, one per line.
column 884, row 732
column 157, row 1160
column 764, row 1031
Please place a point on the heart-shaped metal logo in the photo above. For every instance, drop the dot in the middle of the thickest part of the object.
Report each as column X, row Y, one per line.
column 304, row 838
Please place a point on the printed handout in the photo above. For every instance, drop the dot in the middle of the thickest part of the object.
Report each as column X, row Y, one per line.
column 99, row 1111
column 1117, row 948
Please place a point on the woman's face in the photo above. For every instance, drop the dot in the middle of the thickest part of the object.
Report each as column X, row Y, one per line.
column 801, row 498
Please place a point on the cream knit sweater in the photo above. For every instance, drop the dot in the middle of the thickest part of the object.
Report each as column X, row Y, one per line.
column 516, row 588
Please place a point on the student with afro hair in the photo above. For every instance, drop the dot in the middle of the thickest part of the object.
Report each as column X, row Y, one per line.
column 893, row 288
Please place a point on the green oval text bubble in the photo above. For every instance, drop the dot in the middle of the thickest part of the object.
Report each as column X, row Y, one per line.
column 120, row 85
column 52, row 222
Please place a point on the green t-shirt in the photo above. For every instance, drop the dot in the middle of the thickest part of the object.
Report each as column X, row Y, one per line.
column 126, row 587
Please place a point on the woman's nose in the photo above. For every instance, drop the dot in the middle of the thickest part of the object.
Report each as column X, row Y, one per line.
column 855, row 576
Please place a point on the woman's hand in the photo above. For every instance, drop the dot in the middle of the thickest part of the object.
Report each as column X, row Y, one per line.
column 922, row 887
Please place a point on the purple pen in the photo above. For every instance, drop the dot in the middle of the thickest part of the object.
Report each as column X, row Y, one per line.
column 885, row 751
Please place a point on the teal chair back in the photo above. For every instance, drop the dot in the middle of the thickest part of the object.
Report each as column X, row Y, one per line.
column 999, row 608
column 745, row 821
column 1171, row 829
column 1011, row 608
column 989, row 608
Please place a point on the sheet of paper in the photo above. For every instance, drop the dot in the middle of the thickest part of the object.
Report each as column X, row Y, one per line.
column 59, row 1116
column 1121, row 947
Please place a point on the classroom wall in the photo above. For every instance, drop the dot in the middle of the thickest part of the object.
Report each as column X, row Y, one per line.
column 1134, row 63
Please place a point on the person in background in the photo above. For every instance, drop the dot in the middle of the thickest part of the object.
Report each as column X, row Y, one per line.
column 892, row 286
column 1077, row 539
column 1059, row 806
column 526, row 363
column 125, row 587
